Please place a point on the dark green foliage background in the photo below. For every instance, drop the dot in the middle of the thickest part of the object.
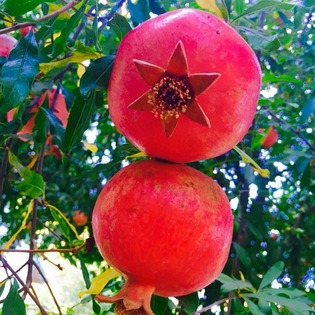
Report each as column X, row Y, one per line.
column 282, row 35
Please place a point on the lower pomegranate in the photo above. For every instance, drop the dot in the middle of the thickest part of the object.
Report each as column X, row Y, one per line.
column 166, row 227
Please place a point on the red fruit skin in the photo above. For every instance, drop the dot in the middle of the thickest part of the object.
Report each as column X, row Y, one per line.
column 270, row 139
column 7, row 43
column 211, row 46
column 166, row 227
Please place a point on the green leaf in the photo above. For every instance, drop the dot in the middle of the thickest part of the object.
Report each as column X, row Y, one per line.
column 190, row 302
column 230, row 284
column 41, row 124
column 56, row 126
column 263, row 5
column 293, row 304
column 60, row 42
column 270, row 78
column 120, row 25
column 273, row 273
column 15, row 8
column 33, row 184
column 159, row 304
column 139, row 11
column 13, row 303
column 79, row 118
column 259, row 40
column 242, row 254
column 254, row 309
column 18, row 72
column 308, row 109
column 97, row 75
column 85, row 272
column 239, row 6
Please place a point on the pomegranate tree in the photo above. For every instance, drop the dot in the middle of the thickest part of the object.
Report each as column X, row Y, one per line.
column 166, row 227
column 184, row 86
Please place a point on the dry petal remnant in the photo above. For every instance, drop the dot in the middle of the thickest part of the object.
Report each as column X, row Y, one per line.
column 173, row 91
column 170, row 96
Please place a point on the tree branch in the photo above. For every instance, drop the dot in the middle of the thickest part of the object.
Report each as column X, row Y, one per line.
column 24, row 286
column 73, row 250
column 17, row 26
column 209, row 307
column 297, row 133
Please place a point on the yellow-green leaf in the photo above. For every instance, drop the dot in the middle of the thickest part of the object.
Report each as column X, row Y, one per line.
column 211, row 6
column 247, row 159
column 99, row 282
column 91, row 147
column 136, row 155
column 23, row 225
column 71, row 226
column 76, row 57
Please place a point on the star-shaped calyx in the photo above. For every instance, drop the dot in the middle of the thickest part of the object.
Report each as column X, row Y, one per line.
column 173, row 91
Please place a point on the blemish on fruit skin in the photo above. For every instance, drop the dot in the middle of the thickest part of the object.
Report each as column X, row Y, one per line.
column 218, row 32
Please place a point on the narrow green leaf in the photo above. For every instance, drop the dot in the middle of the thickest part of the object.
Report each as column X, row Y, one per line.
column 79, row 118
column 60, row 42
column 56, row 127
column 13, row 303
column 15, row 8
column 33, row 184
column 97, row 75
column 64, row 227
column 270, row 78
column 254, row 309
column 139, row 10
column 263, row 5
column 230, row 284
column 18, row 72
column 85, row 272
column 41, row 124
column 259, row 39
column 239, row 6
column 294, row 304
column 308, row 109
column 119, row 25
column 242, row 254
column 273, row 273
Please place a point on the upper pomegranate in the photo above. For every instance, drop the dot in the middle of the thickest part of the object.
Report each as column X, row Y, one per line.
column 184, row 86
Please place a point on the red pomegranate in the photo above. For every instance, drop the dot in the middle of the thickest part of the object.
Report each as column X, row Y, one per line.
column 270, row 138
column 166, row 227
column 184, row 86
column 7, row 43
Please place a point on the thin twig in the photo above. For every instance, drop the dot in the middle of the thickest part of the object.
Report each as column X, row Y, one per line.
column 3, row 169
column 298, row 133
column 17, row 26
column 48, row 286
column 209, row 307
column 73, row 250
column 39, row 167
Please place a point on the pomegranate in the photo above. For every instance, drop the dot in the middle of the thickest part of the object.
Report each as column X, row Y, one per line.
column 166, row 227
column 184, row 86
column 79, row 218
column 7, row 43
column 270, row 139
